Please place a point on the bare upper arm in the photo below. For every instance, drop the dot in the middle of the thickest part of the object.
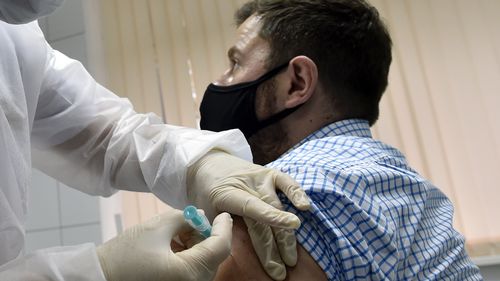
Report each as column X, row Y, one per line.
column 243, row 263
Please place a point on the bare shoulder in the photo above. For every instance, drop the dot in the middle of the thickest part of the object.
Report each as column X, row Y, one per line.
column 244, row 265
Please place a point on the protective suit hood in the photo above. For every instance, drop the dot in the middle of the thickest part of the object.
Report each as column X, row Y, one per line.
column 24, row 11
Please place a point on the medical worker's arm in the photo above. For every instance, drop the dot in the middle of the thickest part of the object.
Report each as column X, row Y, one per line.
column 142, row 252
column 90, row 139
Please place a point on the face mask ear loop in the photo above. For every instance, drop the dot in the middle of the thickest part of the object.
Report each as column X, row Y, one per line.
column 278, row 116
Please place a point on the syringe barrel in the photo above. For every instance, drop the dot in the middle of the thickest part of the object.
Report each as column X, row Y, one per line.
column 197, row 220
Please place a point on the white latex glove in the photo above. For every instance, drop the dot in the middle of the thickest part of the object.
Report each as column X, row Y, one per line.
column 221, row 182
column 144, row 252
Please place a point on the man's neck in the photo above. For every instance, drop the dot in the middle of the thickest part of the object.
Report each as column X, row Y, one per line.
column 269, row 143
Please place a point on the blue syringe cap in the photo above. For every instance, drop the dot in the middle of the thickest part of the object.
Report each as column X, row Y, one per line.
column 191, row 213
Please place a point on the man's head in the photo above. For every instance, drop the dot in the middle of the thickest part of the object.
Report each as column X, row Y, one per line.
column 335, row 56
column 345, row 38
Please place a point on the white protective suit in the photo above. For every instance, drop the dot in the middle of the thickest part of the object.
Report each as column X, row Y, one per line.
column 48, row 102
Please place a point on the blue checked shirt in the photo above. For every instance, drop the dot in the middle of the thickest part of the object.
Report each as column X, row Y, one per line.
column 372, row 217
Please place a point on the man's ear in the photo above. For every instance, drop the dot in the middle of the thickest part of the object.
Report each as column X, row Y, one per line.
column 303, row 75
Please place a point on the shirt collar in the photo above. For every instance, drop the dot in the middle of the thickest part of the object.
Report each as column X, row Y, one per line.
column 348, row 127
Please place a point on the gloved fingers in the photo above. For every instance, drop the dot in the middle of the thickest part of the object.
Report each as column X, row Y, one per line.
column 165, row 218
column 170, row 223
column 240, row 202
column 265, row 247
column 209, row 253
column 285, row 238
column 177, row 247
column 292, row 191
column 287, row 245
column 267, row 190
column 191, row 238
column 223, row 227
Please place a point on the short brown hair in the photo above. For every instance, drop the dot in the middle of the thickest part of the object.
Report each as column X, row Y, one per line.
column 345, row 38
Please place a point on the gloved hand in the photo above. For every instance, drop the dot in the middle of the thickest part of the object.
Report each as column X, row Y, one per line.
column 222, row 182
column 143, row 252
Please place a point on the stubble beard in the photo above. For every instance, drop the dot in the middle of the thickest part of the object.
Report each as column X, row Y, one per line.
column 269, row 143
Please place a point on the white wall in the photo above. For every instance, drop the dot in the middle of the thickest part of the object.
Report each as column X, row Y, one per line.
column 491, row 273
column 59, row 215
column 490, row 267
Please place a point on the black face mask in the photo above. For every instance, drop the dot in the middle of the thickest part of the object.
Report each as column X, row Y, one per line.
column 233, row 107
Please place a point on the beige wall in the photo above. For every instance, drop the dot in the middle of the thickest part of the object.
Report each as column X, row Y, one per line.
column 441, row 105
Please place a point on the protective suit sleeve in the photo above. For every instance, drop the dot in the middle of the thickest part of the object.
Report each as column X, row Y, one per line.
column 55, row 264
column 92, row 140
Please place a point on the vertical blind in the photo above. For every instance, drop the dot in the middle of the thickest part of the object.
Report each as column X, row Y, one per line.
column 440, row 109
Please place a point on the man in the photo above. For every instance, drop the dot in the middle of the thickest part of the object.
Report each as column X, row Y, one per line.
column 304, row 84
column 88, row 138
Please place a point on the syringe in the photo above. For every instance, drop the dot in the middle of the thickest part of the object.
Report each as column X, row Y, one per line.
column 197, row 220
